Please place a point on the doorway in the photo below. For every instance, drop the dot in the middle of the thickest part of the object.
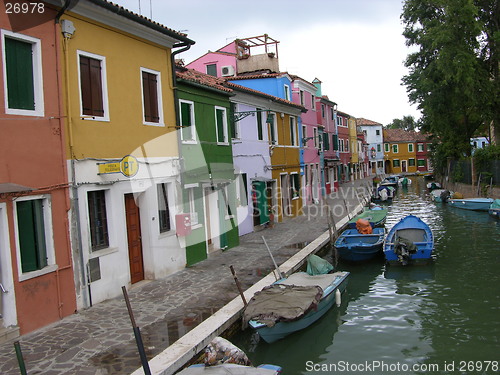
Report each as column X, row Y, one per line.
column 134, row 239
column 404, row 166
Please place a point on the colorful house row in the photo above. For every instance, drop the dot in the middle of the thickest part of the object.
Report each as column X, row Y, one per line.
column 406, row 151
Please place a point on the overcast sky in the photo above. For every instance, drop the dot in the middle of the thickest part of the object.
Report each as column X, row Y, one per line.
column 355, row 47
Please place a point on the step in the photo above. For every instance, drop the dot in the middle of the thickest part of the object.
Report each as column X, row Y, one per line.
column 8, row 333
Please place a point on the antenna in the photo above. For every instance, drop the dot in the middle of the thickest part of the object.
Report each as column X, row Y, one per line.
column 150, row 9
column 140, row 7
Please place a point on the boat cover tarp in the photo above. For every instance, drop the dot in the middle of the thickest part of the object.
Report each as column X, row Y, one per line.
column 303, row 279
column 495, row 204
column 317, row 265
column 281, row 303
column 226, row 370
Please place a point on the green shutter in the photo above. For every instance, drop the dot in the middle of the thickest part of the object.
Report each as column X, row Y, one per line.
column 186, row 121
column 31, row 235
column 19, row 68
column 326, row 141
column 335, row 141
column 259, row 125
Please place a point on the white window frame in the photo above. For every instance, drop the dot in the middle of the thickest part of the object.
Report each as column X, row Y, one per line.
column 104, row 82
column 293, row 131
column 224, row 126
column 286, row 90
column 49, row 238
column 387, row 147
column 420, row 147
column 275, row 128
column 395, row 150
column 193, row 124
column 161, row 121
column 37, row 75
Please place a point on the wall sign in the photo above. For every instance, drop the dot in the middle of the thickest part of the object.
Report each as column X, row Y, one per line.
column 128, row 166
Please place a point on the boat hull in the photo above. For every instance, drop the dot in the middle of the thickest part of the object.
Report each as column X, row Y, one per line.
column 375, row 217
column 283, row 329
column 474, row 204
column 415, row 230
column 356, row 247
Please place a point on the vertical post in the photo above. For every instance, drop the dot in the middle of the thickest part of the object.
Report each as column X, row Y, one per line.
column 274, row 262
column 238, row 285
column 137, row 334
column 20, row 358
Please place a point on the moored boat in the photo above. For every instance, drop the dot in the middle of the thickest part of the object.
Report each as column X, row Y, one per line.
column 376, row 216
column 231, row 369
column 433, row 185
column 494, row 209
column 293, row 303
column 384, row 193
column 475, row 204
column 441, row 195
column 356, row 247
column 390, row 181
column 409, row 241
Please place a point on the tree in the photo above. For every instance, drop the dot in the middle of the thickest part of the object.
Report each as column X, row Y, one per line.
column 407, row 123
column 453, row 75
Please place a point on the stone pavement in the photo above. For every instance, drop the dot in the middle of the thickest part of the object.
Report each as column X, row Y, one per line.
column 100, row 340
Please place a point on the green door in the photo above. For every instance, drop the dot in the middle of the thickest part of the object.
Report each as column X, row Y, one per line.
column 260, row 201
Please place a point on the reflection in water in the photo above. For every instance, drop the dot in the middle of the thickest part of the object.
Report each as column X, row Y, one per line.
column 446, row 311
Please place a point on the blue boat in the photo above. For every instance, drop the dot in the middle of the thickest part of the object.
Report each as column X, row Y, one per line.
column 475, row 204
column 384, row 193
column 231, row 369
column 390, row 181
column 409, row 241
column 494, row 209
column 273, row 313
column 356, row 247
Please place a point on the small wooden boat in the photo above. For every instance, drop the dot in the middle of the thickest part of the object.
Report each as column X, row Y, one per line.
column 390, row 181
column 475, row 204
column 409, row 241
column 441, row 195
column 494, row 209
column 433, row 185
column 293, row 303
column 376, row 216
column 356, row 247
column 231, row 369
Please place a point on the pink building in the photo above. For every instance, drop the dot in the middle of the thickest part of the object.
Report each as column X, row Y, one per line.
column 344, row 149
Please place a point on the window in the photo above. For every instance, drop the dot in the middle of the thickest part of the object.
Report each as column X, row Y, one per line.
column 377, row 132
column 22, row 70
column 293, row 131
column 335, row 142
column 98, row 221
column 32, row 234
column 420, row 147
column 326, row 141
column 294, row 185
column 151, row 97
column 192, row 206
column 212, row 70
column 235, row 125
column 322, row 110
column 386, row 147
column 188, row 129
column 341, row 145
column 312, row 101
column 241, row 189
column 301, row 93
column 395, row 149
column 163, row 209
column 316, row 139
column 421, row 162
column 379, row 147
column 273, row 132
column 410, row 147
column 411, row 162
column 286, row 89
column 304, row 134
column 395, row 163
column 93, row 89
column 346, row 145
column 260, row 130
column 221, row 125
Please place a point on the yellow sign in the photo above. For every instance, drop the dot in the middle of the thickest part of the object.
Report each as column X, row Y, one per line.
column 128, row 166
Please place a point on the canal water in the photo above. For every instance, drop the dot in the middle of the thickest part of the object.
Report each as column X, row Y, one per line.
column 441, row 318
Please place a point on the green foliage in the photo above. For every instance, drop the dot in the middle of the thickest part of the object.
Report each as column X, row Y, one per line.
column 484, row 156
column 407, row 123
column 453, row 74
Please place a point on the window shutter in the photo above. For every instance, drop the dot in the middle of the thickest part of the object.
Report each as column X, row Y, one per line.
column 31, row 235
column 220, row 125
column 91, row 87
column 146, row 97
column 260, row 134
column 187, row 131
column 150, row 93
column 19, row 68
column 335, row 141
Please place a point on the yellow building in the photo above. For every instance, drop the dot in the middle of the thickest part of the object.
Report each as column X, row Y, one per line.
column 400, row 151
column 353, row 141
column 123, row 156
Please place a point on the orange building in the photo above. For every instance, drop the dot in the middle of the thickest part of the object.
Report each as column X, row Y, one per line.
column 36, row 271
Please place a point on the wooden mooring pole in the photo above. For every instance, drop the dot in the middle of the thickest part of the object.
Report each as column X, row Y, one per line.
column 238, row 285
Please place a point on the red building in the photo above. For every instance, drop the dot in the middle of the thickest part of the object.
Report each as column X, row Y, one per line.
column 36, row 270
column 344, row 149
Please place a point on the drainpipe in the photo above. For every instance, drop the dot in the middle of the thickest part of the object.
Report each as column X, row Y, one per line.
column 86, row 294
column 185, row 46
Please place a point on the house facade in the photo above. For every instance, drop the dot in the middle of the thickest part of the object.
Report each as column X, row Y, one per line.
column 123, row 155
column 36, row 266
column 405, row 151
column 208, row 174
column 344, row 146
column 374, row 139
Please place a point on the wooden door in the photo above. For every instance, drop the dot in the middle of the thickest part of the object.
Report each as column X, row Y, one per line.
column 134, row 239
